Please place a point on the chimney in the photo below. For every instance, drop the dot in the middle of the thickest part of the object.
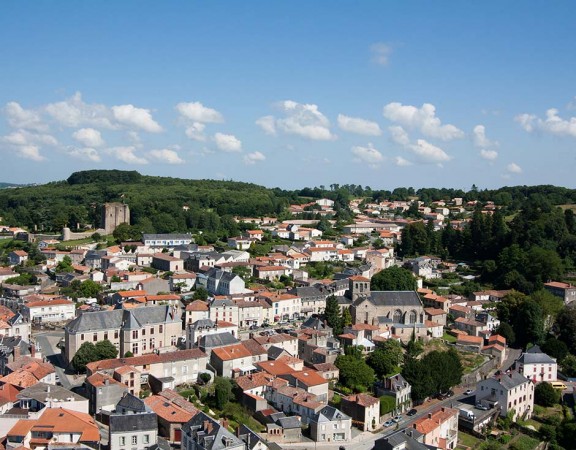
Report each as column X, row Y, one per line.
column 429, row 415
column 32, row 350
column 17, row 352
column 224, row 422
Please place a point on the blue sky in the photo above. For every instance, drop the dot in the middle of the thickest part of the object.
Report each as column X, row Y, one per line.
column 291, row 93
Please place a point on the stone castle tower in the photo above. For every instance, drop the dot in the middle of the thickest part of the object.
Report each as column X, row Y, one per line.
column 113, row 214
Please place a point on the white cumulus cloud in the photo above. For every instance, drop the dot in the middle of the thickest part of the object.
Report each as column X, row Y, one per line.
column 268, row 124
column 490, row 155
column 399, row 135
column 30, row 152
column 401, row 162
column 166, row 156
column 85, row 154
column 423, row 119
column 368, row 155
column 358, row 125
column 89, row 137
column 196, row 131
column 301, row 119
column 551, row 124
column 480, row 139
column 19, row 117
column 227, row 142
column 132, row 116
column 254, row 157
column 380, row 53
column 24, row 137
column 513, row 168
column 127, row 154
column 428, row 152
column 197, row 112
column 74, row 112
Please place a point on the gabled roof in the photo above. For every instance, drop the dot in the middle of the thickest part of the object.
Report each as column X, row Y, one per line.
column 152, row 358
column 122, row 318
column 122, row 423
column 393, row 298
column 329, row 414
column 132, row 403
column 210, row 434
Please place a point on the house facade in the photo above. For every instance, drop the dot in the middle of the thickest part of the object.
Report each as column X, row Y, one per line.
column 138, row 330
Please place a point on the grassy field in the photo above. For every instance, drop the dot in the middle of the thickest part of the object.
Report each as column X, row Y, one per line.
column 449, row 338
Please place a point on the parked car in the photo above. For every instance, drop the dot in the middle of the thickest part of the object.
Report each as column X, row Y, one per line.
column 253, row 327
column 412, row 412
column 468, row 391
column 397, row 419
column 482, row 407
column 388, row 423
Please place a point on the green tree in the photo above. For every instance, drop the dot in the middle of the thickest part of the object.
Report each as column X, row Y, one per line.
column 545, row 395
column 89, row 289
column 386, row 358
column 568, row 365
column 200, row 294
column 346, row 317
column 222, row 392
column 550, row 305
column 65, row 265
column 445, row 368
column 419, row 377
column 332, row 315
column 566, row 327
column 393, row 279
column 354, row 372
column 555, row 348
column 507, row 332
column 105, row 350
column 528, row 324
column 84, row 355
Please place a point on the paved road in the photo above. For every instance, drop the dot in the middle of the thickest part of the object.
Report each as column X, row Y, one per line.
column 48, row 341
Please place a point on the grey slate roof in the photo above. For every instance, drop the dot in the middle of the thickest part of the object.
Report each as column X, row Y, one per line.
column 329, row 413
column 120, row 423
column 511, row 380
column 121, row 318
column 40, row 391
column 130, row 402
column 536, row 358
column 408, row 439
column 217, row 340
column 305, row 292
column 248, row 436
column 213, row 437
column 314, row 323
column 290, row 422
column 393, row 298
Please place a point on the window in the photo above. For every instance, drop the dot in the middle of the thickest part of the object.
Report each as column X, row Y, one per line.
column 161, row 329
column 116, row 334
column 134, row 440
column 146, row 438
column 105, row 335
column 143, row 331
column 95, row 337
column 134, row 348
column 122, row 440
column 81, row 337
column 134, row 334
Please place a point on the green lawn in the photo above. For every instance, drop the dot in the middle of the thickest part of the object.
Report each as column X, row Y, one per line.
column 449, row 338
column 468, row 440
